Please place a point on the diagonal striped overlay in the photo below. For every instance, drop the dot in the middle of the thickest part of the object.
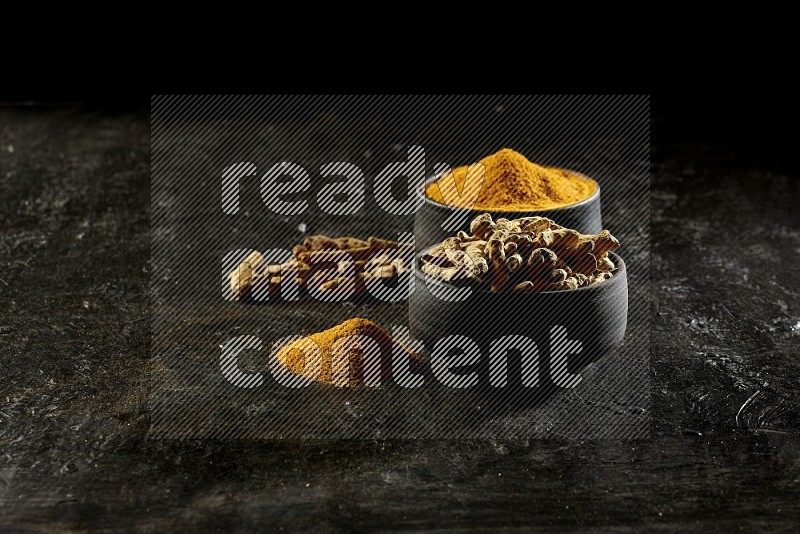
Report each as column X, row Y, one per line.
column 196, row 138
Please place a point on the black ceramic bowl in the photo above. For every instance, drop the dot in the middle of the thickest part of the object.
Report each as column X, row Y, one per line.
column 595, row 316
column 430, row 219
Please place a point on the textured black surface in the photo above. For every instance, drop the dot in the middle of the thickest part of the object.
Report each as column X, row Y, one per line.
column 74, row 343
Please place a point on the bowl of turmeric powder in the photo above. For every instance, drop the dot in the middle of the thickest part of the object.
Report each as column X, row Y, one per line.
column 525, row 280
column 506, row 184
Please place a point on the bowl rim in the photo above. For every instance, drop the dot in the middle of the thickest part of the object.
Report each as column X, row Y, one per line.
column 621, row 273
column 593, row 197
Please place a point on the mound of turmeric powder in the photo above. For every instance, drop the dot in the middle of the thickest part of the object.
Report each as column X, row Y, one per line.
column 512, row 183
column 343, row 352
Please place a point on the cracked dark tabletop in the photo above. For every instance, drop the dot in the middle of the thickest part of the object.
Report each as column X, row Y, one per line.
column 75, row 347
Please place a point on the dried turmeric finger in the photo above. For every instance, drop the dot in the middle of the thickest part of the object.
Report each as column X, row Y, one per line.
column 605, row 263
column 558, row 275
column 377, row 243
column 497, row 255
column 604, row 242
column 318, row 242
column 599, row 277
column 541, row 261
column 318, row 256
column 481, row 226
column 241, row 278
column 514, row 262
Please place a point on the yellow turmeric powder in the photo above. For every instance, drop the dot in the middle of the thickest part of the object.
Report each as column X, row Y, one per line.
column 512, row 183
column 342, row 355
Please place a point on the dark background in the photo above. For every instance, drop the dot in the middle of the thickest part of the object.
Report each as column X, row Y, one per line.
column 74, row 343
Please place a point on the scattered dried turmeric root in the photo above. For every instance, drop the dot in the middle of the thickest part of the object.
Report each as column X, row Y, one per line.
column 527, row 254
column 351, row 256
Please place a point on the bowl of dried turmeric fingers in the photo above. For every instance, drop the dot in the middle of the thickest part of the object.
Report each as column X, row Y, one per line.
column 525, row 283
column 505, row 184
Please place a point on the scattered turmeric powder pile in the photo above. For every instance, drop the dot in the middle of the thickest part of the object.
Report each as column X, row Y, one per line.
column 511, row 183
column 521, row 255
column 343, row 352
